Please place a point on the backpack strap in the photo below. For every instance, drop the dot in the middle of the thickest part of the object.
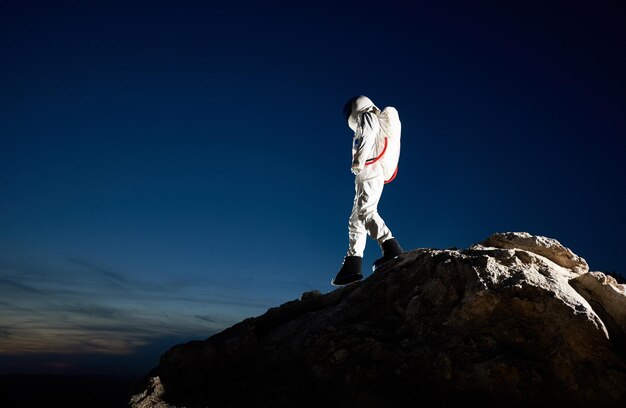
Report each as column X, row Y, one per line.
column 395, row 173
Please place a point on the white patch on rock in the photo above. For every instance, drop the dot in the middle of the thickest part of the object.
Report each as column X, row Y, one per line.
column 547, row 247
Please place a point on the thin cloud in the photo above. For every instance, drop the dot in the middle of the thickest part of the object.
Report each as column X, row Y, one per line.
column 11, row 285
column 113, row 277
column 206, row 318
column 203, row 296
column 93, row 310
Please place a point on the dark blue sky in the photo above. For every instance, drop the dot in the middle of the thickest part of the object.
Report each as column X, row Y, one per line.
column 170, row 168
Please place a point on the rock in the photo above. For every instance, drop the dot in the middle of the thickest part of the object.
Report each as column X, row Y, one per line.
column 151, row 395
column 492, row 324
column 606, row 297
column 547, row 247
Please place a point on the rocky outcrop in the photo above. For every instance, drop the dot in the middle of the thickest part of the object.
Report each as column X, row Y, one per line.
column 547, row 247
column 516, row 319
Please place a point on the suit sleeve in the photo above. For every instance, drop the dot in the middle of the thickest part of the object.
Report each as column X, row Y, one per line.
column 366, row 132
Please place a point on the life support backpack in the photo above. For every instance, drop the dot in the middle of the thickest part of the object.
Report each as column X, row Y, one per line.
column 388, row 143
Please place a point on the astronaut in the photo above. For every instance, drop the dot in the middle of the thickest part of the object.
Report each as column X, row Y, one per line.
column 375, row 155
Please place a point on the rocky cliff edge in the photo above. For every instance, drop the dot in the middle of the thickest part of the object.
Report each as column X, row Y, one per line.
column 516, row 319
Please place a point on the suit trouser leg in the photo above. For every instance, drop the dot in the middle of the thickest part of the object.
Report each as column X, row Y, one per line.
column 364, row 219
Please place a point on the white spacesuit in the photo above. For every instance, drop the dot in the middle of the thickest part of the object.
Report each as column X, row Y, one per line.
column 375, row 154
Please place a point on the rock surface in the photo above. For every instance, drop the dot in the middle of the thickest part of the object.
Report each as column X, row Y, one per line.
column 516, row 319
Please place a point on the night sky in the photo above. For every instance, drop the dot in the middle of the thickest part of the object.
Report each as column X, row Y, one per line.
column 170, row 168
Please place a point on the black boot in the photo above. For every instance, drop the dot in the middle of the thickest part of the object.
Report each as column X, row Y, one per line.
column 350, row 271
column 391, row 248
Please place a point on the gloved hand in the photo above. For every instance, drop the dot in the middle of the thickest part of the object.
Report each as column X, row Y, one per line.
column 355, row 170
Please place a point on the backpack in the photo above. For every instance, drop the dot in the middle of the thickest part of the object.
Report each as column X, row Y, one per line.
column 388, row 143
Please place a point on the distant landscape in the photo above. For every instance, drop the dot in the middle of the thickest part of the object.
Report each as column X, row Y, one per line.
column 31, row 390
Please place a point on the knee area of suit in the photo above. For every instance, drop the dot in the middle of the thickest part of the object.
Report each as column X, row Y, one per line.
column 366, row 214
